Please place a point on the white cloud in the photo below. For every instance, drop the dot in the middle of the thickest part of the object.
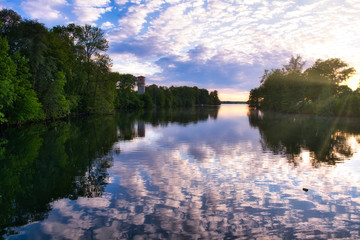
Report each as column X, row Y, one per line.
column 107, row 25
column 133, row 22
column 88, row 12
column 247, row 33
column 43, row 9
column 128, row 63
column 121, row 2
column 243, row 29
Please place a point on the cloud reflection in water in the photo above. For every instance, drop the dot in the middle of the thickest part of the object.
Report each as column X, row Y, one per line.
column 213, row 180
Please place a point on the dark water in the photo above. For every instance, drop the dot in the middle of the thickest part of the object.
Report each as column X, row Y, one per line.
column 205, row 173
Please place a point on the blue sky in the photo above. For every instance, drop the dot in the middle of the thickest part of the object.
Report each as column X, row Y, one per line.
column 213, row 44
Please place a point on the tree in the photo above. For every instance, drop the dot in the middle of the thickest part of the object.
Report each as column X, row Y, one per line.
column 255, row 98
column 147, row 100
column 334, row 69
column 18, row 101
column 90, row 43
column 328, row 75
column 7, row 74
column 295, row 64
column 124, row 81
column 214, row 99
column 26, row 106
column 90, row 40
column 9, row 20
column 316, row 90
column 126, row 97
column 56, row 104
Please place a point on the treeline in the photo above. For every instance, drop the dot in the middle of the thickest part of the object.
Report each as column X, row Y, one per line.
column 52, row 73
column 319, row 89
column 160, row 97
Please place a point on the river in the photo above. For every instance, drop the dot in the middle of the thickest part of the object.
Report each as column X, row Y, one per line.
column 202, row 173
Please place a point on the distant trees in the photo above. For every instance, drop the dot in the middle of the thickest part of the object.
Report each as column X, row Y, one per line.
column 319, row 89
column 181, row 96
column 52, row 73
column 161, row 97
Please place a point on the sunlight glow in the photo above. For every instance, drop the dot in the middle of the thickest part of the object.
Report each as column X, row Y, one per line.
column 231, row 111
column 353, row 81
column 227, row 94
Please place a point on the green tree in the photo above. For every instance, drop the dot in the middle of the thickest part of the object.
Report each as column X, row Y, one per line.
column 147, row 100
column 214, row 99
column 334, row 69
column 56, row 105
column 90, row 41
column 126, row 97
column 316, row 90
column 328, row 75
column 64, row 52
column 295, row 64
column 9, row 19
column 7, row 74
column 255, row 98
column 26, row 106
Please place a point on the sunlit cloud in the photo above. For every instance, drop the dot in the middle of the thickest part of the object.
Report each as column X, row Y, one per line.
column 43, row 9
column 128, row 63
column 88, row 12
column 241, row 33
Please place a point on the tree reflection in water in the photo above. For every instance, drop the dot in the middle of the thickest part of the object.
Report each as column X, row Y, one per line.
column 325, row 137
column 42, row 163
column 67, row 159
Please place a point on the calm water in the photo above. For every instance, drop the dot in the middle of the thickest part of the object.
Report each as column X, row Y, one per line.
column 207, row 173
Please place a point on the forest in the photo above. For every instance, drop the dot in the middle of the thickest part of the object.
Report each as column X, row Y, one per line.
column 319, row 90
column 48, row 74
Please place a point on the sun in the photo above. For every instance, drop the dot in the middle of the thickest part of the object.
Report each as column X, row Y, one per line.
column 353, row 81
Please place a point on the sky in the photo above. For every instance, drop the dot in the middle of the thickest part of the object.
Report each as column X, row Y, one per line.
column 222, row 45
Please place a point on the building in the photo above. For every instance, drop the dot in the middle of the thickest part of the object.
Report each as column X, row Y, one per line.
column 141, row 84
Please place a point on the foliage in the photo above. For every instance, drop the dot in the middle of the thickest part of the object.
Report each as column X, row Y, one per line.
column 55, row 103
column 181, row 96
column 7, row 74
column 18, row 102
column 319, row 89
column 26, row 105
column 35, row 159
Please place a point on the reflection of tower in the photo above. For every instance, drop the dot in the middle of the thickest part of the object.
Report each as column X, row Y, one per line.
column 141, row 128
column 141, row 84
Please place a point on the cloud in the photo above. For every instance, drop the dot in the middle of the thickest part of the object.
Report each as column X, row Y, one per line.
column 224, row 40
column 89, row 11
column 132, row 23
column 212, row 73
column 107, row 25
column 140, row 48
column 43, row 9
column 121, row 2
column 129, row 63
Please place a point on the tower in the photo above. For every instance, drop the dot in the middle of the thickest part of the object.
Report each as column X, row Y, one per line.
column 141, row 84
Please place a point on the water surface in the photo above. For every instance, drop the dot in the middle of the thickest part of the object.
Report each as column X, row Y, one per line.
column 205, row 173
